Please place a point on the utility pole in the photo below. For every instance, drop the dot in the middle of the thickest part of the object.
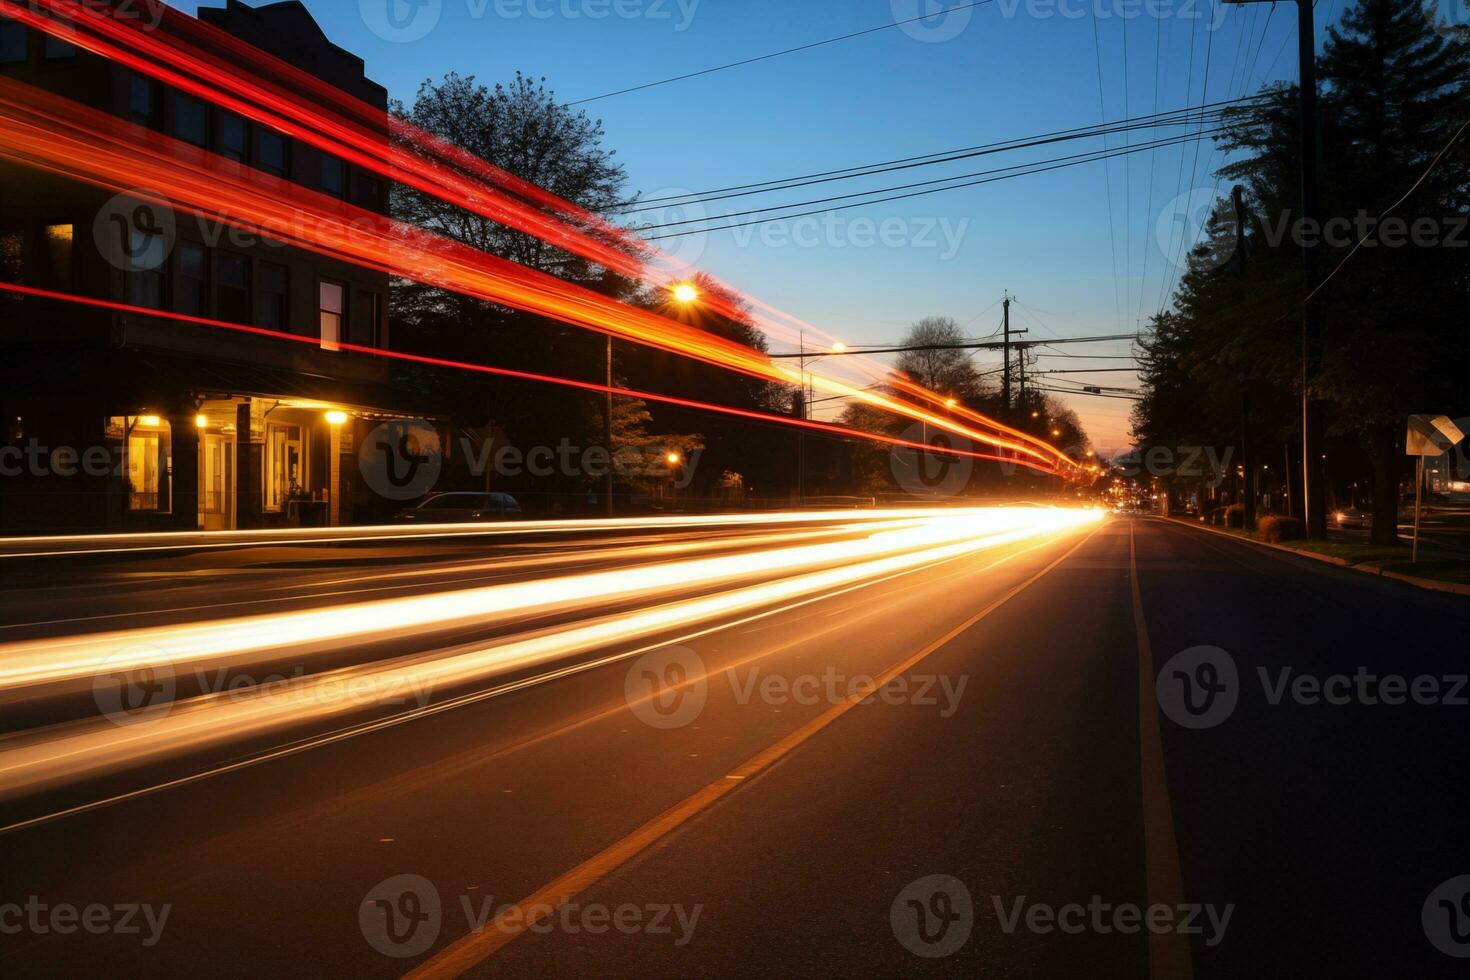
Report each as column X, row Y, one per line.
column 1005, row 385
column 1314, row 500
column 1248, row 500
column 607, row 430
column 1021, row 378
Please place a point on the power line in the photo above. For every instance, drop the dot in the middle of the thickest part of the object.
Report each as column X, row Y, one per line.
column 774, row 54
column 1189, row 115
column 1057, row 164
column 1108, row 171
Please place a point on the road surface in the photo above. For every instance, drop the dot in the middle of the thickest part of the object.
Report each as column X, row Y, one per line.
column 720, row 799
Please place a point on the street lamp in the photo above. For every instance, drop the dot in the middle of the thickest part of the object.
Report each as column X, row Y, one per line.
column 685, row 292
column 839, row 348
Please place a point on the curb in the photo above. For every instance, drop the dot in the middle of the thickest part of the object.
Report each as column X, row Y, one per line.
column 1366, row 568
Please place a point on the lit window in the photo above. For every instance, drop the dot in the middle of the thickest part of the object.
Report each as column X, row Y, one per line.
column 284, row 476
column 59, row 245
column 145, row 445
column 332, row 299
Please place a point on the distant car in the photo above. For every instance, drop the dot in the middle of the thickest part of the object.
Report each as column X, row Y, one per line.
column 1351, row 517
column 462, row 508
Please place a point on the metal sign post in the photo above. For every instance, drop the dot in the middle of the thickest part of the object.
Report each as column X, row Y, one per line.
column 1429, row 435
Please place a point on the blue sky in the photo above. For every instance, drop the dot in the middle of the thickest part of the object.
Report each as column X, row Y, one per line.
column 1004, row 70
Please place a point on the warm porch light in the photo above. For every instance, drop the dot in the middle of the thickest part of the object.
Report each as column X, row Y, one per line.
column 335, row 417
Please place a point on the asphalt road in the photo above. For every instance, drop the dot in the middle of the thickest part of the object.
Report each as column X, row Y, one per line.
column 753, row 819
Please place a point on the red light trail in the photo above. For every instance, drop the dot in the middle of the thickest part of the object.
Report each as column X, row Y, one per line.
column 823, row 427
column 372, row 150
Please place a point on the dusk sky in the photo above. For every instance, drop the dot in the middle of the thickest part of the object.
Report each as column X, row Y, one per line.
column 1007, row 69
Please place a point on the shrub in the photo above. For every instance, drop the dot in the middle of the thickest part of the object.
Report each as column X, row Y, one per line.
column 1276, row 528
column 1235, row 515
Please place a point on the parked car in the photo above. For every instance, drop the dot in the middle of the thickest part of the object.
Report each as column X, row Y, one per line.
column 1351, row 517
column 461, row 508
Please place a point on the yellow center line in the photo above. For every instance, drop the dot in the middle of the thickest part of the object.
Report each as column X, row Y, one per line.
column 1168, row 952
column 477, row 946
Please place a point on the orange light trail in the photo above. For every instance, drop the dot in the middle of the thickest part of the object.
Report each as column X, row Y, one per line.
column 361, row 144
column 50, row 133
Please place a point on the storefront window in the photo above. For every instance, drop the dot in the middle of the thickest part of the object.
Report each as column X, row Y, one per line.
column 285, row 475
column 145, row 442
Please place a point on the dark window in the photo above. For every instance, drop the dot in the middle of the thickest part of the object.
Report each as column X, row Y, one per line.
column 193, row 280
column 368, row 192
column 57, row 49
column 191, row 121
column 367, row 314
column 270, row 296
column 270, row 152
column 234, row 287
column 13, row 40
column 234, row 136
column 145, row 102
column 333, row 176
column 12, row 254
column 147, row 259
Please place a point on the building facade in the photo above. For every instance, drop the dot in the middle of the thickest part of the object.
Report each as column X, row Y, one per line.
column 115, row 419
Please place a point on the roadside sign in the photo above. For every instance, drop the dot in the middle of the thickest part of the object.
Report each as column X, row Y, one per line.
column 1431, row 435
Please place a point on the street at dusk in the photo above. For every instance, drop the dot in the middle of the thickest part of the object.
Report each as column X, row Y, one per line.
column 667, row 488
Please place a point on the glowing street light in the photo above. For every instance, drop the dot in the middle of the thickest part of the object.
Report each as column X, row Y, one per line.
column 839, row 348
column 673, row 459
column 951, row 402
column 686, row 292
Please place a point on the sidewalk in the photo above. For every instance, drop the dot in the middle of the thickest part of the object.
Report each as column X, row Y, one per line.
column 1457, row 581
